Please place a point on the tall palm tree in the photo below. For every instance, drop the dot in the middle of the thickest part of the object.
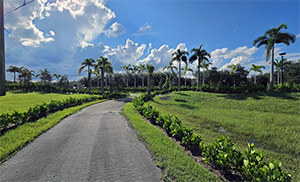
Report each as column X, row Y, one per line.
column 150, row 69
column 256, row 68
column 102, row 63
column 13, row 69
column 134, row 70
column 204, row 65
column 142, row 68
column 126, row 68
column 110, row 71
column 279, row 67
column 185, row 70
column 87, row 63
column 269, row 39
column 233, row 68
column 179, row 56
column 170, row 67
column 199, row 55
column 57, row 76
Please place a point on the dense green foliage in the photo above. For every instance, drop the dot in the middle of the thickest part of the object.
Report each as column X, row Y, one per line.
column 221, row 153
column 176, row 165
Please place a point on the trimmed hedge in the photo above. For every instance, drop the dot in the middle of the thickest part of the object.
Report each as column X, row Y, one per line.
column 222, row 153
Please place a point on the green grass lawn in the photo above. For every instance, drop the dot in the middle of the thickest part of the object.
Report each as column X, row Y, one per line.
column 22, row 101
column 174, row 161
column 270, row 120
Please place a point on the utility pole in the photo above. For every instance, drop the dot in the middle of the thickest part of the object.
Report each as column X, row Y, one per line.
column 2, row 53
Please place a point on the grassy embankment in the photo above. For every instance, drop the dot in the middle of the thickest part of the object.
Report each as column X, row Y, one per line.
column 14, row 140
column 174, row 161
column 271, row 121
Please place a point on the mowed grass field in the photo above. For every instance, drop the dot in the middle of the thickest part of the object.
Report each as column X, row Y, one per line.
column 22, row 101
column 269, row 120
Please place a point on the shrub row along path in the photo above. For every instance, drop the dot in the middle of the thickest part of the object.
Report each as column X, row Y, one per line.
column 95, row 144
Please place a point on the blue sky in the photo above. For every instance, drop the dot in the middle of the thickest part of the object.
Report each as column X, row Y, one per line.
column 62, row 33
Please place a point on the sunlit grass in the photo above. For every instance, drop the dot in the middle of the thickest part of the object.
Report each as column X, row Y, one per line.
column 271, row 121
column 177, row 165
column 22, row 101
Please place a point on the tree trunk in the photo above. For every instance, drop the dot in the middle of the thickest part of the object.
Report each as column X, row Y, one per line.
column 278, row 78
column 102, row 81
column 89, row 80
column 179, row 76
column 203, row 77
column 184, row 81
column 254, row 79
column 143, row 81
column 149, row 93
column 281, row 70
column 198, row 79
column 111, row 84
column 272, row 71
column 14, row 77
column 127, row 80
column 171, row 79
column 134, row 77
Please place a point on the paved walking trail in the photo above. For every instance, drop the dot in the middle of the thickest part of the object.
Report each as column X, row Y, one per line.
column 94, row 144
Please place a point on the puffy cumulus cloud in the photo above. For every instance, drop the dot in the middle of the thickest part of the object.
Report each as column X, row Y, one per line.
column 115, row 30
column 52, row 33
column 162, row 56
column 127, row 54
column 240, row 55
column 144, row 30
column 87, row 18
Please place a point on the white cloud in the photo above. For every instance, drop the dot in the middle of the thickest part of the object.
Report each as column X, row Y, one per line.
column 162, row 56
column 115, row 30
column 242, row 55
column 144, row 30
column 52, row 33
column 297, row 36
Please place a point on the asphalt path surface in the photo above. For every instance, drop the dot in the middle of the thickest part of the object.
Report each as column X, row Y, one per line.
column 95, row 144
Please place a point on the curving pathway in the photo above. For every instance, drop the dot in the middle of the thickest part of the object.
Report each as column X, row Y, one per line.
column 94, row 144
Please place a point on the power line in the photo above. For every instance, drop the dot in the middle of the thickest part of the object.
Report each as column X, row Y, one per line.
column 24, row 47
column 24, row 3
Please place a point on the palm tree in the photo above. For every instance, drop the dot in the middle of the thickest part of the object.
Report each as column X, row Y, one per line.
column 256, row 68
column 170, row 67
column 185, row 70
column 102, row 63
column 269, row 39
column 87, row 63
column 142, row 68
column 150, row 69
column 126, row 68
column 13, row 69
column 233, row 67
column 134, row 71
column 200, row 55
column 204, row 65
column 279, row 67
column 57, row 76
column 110, row 70
column 179, row 56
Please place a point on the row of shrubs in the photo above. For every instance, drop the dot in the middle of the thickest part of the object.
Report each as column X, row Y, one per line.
column 221, row 153
column 39, row 111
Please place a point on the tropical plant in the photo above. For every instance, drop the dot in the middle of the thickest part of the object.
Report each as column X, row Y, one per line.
column 134, row 70
column 256, row 68
column 13, row 69
column 57, row 76
column 45, row 76
column 87, row 63
column 110, row 71
column 179, row 56
column 204, row 65
column 25, row 75
column 142, row 68
column 269, row 39
column 199, row 55
column 185, row 70
column 233, row 68
column 126, row 68
column 102, row 64
column 279, row 68
column 150, row 69
column 170, row 67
